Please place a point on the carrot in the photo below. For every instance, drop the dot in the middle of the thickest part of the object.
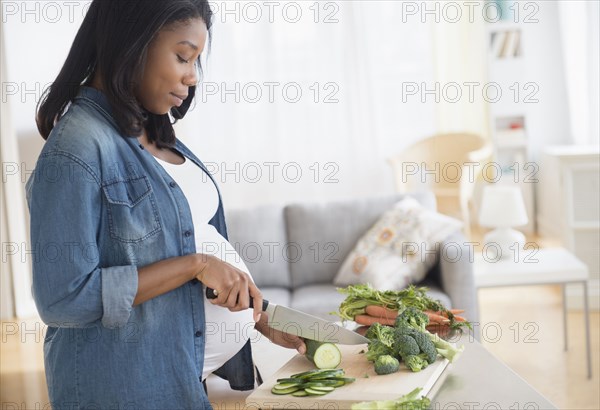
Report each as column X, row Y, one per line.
column 435, row 318
column 459, row 318
column 436, row 327
column 380, row 311
column 445, row 313
column 370, row 320
column 361, row 330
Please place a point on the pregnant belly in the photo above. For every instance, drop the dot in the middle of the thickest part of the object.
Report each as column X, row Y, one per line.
column 226, row 332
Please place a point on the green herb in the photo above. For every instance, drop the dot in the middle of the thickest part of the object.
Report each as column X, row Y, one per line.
column 358, row 297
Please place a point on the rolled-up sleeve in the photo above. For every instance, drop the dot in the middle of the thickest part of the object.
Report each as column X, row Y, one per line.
column 119, row 287
column 70, row 287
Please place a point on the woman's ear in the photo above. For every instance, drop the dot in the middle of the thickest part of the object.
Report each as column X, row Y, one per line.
column 179, row 112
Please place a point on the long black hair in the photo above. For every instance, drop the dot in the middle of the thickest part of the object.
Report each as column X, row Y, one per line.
column 113, row 40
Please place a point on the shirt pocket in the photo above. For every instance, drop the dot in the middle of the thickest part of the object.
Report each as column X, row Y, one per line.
column 132, row 212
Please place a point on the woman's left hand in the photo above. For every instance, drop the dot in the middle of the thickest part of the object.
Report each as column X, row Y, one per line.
column 287, row 340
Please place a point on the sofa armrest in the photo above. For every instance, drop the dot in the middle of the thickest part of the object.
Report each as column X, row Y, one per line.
column 456, row 275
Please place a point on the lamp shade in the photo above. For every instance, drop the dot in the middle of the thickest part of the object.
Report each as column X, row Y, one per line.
column 502, row 206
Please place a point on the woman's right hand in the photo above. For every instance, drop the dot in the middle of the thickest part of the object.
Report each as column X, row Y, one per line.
column 233, row 286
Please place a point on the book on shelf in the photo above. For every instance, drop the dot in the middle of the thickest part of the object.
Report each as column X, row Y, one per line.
column 498, row 43
column 506, row 44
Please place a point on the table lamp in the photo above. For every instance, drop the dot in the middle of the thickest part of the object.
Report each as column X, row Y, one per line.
column 502, row 207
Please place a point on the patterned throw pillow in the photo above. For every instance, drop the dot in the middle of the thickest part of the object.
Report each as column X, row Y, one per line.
column 399, row 249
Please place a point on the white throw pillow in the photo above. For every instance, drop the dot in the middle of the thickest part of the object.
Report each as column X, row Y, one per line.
column 399, row 249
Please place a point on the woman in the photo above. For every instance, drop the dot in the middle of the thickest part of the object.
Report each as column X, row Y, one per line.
column 120, row 267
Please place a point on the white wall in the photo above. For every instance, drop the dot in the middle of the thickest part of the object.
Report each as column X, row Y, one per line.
column 369, row 53
column 366, row 54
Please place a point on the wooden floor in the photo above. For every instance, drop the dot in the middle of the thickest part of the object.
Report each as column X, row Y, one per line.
column 524, row 330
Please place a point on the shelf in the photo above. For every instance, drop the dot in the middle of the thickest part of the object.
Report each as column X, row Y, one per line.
column 506, row 50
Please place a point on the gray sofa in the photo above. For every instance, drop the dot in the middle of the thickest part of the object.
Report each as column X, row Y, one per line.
column 293, row 252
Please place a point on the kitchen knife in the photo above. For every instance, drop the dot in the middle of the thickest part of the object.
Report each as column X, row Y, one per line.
column 304, row 325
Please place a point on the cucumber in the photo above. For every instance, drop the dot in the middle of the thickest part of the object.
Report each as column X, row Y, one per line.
column 323, row 382
column 328, row 374
column 323, row 355
column 321, row 388
column 306, row 374
column 296, row 380
column 335, row 383
column 344, row 380
column 285, row 391
column 284, row 386
column 316, row 382
column 313, row 392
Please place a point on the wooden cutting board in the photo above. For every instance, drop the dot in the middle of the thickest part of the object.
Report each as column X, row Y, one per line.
column 355, row 364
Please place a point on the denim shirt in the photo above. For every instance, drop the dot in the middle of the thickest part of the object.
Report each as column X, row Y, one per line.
column 101, row 206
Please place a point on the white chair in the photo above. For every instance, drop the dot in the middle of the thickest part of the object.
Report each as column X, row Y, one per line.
column 447, row 164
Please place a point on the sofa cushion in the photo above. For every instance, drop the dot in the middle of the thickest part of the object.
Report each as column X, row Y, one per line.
column 258, row 235
column 397, row 250
column 320, row 236
column 318, row 300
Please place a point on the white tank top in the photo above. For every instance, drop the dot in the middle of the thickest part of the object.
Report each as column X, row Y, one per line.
column 226, row 332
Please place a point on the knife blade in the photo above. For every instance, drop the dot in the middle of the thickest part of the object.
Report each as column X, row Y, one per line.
column 302, row 324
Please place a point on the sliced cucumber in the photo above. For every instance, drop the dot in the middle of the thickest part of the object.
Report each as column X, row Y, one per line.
column 334, row 383
column 313, row 392
column 323, row 355
column 328, row 374
column 321, row 388
column 306, row 374
column 284, row 386
column 345, row 380
column 285, row 391
column 323, row 382
column 316, row 382
column 291, row 380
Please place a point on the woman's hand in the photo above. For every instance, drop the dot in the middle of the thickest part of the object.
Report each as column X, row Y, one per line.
column 287, row 340
column 233, row 286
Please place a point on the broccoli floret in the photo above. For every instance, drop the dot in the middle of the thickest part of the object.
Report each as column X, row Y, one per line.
column 405, row 329
column 444, row 348
column 416, row 363
column 426, row 346
column 413, row 318
column 386, row 364
column 384, row 334
column 376, row 348
column 405, row 345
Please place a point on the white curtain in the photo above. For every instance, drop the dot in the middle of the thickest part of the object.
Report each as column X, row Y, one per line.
column 460, row 57
column 579, row 22
column 349, row 62
column 15, row 275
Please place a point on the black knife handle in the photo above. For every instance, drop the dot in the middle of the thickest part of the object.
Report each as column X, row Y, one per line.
column 210, row 294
